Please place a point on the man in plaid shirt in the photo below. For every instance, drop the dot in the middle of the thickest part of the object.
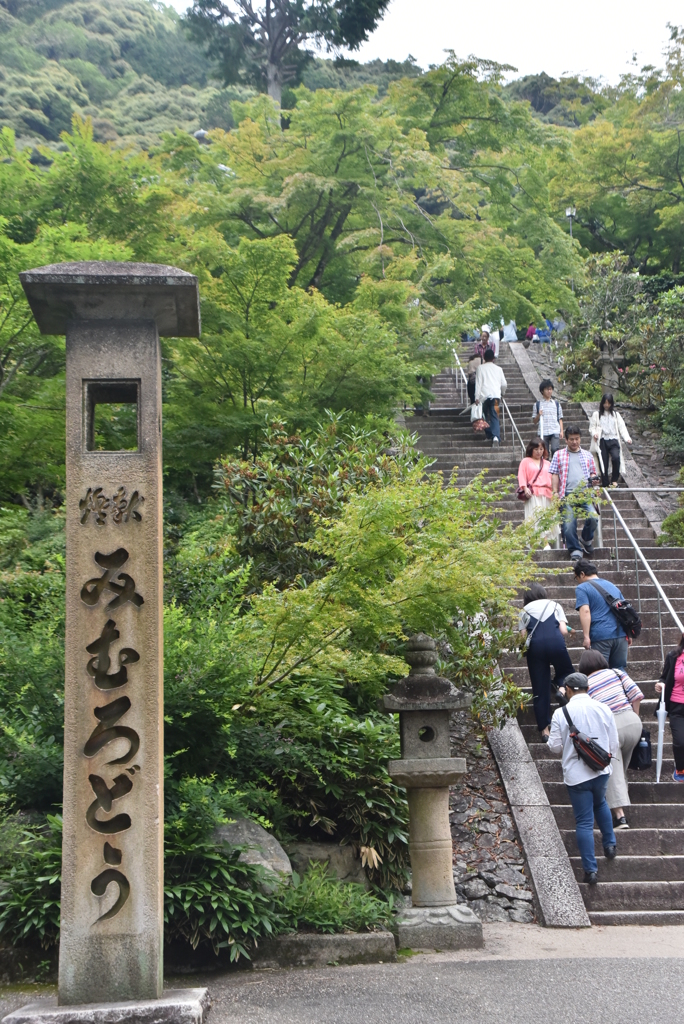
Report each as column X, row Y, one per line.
column 573, row 467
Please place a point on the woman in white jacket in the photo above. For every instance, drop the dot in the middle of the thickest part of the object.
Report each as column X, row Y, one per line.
column 608, row 431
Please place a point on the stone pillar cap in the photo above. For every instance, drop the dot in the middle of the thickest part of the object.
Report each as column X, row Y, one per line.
column 104, row 290
column 422, row 689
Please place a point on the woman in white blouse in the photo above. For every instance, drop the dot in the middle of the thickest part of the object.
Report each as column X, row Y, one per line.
column 608, row 431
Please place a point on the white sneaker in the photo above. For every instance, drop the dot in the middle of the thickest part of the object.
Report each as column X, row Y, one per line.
column 495, row 440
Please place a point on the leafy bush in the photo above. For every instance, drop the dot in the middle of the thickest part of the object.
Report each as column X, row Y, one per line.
column 30, row 876
column 320, row 903
column 211, row 897
column 673, row 525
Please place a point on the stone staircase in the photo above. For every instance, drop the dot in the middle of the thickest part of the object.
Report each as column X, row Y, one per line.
column 645, row 883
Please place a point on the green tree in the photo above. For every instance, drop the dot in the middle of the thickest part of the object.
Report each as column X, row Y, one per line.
column 261, row 44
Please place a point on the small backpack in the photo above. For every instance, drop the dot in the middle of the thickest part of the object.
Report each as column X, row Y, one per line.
column 642, row 758
column 624, row 612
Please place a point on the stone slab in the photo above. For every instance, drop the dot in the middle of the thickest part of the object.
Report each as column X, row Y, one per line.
column 259, row 847
column 427, row 772
column 104, row 290
column 176, row 1006
column 342, row 862
column 314, row 950
column 455, row 927
column 522, row 782
column 508, row 743
column 558, row 895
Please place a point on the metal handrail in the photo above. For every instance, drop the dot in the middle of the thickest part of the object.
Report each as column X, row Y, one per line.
column 661, row 712
column 515, row 428
column 639, row 553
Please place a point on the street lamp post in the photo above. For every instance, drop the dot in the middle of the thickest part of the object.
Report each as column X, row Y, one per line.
column 570, row 212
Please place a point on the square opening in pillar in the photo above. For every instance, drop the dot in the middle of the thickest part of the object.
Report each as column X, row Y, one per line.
column 111, row 415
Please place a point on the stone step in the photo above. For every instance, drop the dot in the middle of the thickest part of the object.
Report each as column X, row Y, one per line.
column 634, row 917
column 643, row 895
column 531, row 733
column 626, row 868
column 640, row 793
column 635, row 842
column 550, row 770
column 647, row 815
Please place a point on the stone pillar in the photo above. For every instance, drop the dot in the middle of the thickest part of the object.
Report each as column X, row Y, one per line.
column 112, row 863
column 424, row 702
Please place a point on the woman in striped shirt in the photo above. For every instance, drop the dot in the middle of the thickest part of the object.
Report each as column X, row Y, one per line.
column 622, row 695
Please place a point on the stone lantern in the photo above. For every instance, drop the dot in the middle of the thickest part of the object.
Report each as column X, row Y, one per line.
column 424, row 701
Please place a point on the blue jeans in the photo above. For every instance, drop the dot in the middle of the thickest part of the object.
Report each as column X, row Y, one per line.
column 491, row 415
column 570, row 528
column 588, row 799
column 613, row 650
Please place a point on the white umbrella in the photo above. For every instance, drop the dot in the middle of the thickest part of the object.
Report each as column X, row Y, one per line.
column 661, row 715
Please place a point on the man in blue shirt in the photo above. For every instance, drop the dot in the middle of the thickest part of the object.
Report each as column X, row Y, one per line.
column 601, row 629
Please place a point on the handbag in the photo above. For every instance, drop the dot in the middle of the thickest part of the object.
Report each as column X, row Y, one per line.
column 476, row 411
column 623, row 611
column 587, row 749
column 520, row 493
column 642, row 755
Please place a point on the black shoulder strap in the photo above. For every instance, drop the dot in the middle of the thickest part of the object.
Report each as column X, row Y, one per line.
column 568, row 718
column 604, row 594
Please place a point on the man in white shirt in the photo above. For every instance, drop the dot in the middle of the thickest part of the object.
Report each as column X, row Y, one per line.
column 490, row 384
column 586, row 788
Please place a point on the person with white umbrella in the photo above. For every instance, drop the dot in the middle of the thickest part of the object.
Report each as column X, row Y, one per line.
column 671, row 686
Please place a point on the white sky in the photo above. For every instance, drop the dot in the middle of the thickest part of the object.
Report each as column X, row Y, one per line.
column 588, row 37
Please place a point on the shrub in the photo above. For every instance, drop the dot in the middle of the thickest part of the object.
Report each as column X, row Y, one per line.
column 673, row 525
column 319, row 903
column 30, row 877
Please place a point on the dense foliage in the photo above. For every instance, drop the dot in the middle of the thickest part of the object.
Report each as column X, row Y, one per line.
column 265, row 45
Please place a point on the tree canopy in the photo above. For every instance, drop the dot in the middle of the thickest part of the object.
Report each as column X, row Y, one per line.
column 261, row 44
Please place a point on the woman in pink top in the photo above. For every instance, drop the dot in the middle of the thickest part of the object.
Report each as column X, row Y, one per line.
column 672, row 681
column 534, row 478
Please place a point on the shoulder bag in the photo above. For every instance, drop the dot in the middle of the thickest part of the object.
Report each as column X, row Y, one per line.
column 587, row 749
column 520, row 493
column 623, row 611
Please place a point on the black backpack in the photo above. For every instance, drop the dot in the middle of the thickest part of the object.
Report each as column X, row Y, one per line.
column 623, row 611
column 642, row 758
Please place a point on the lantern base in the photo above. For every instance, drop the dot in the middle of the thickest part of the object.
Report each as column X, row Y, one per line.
column 454, row 927
column 176, row 1006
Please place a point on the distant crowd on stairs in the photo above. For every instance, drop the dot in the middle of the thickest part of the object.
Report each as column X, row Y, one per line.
column 647, row 884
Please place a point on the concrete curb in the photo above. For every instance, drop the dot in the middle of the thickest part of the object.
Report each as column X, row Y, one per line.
column 558, row 895
column 310, row 949
column 633, row 476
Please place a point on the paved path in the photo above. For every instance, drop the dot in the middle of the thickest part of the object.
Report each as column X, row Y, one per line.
column 525, row 975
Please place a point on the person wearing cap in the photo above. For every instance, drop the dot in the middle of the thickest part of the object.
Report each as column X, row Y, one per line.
column 548, row 410
column 586, row 787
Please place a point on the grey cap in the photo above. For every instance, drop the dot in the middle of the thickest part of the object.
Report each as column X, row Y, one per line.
column 577, row 681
